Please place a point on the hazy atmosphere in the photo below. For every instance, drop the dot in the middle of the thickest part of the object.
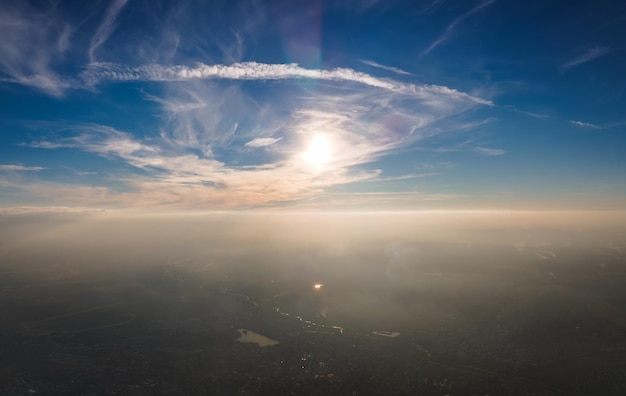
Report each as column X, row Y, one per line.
column 313, row 303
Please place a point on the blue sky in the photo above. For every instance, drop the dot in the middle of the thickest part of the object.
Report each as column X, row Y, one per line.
column 342, row 105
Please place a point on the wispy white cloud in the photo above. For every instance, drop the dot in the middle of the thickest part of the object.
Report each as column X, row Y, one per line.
column 106, row 27
column 20, row 168
column 433, row 6
column 98, row 72
column 388, row 68
column 585, row 124
column 488, row 151
column 78, row 172
column 462, row 126
column 590, row 55
column 453, row 25
column 33, row 41
column 363, row 124
column 200, row 116
column 438, row 165
column 535, row 115
column 403, row 177
column 262, row 142
column 201, row 155
column 187, row 179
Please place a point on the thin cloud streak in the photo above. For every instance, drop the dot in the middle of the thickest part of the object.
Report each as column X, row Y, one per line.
column 20, row 168
column 403, row 177
column 262, row 142
column 593, row 53
column 452, row 26
column 97, row 72
column 383, row 67
column 432, row 6
column 585, row 124
column 106, row 28
column 490, row 152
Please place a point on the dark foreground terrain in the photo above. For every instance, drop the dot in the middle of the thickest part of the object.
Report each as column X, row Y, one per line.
column 394, row 318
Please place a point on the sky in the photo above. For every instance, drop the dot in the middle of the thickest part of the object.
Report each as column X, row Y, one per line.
column 311, row 105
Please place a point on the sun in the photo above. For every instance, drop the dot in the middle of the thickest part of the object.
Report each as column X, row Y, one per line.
column 318, row 151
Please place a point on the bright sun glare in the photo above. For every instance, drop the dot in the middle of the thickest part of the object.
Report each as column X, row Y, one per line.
column 318, row 152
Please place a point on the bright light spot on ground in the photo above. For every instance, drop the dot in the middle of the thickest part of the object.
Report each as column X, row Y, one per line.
column 318, row 286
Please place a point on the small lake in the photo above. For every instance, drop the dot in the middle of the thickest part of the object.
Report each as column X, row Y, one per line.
column 249, row 336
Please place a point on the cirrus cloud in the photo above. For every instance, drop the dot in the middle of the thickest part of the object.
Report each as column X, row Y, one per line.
column 262, row 142
column 20, row 168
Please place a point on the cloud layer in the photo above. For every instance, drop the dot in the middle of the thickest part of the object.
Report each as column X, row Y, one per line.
column 220, row 132
column 218, row 147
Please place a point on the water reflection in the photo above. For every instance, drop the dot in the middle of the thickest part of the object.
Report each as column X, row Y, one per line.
column 251, row 337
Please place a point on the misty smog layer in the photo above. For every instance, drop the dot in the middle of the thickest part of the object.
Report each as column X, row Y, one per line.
column 427, row 303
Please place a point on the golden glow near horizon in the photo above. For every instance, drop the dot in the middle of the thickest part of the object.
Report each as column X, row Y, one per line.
column 318, row 152
column 318, row 286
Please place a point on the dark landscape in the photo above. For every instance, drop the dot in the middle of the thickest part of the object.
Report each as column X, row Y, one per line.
column 400, row 314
